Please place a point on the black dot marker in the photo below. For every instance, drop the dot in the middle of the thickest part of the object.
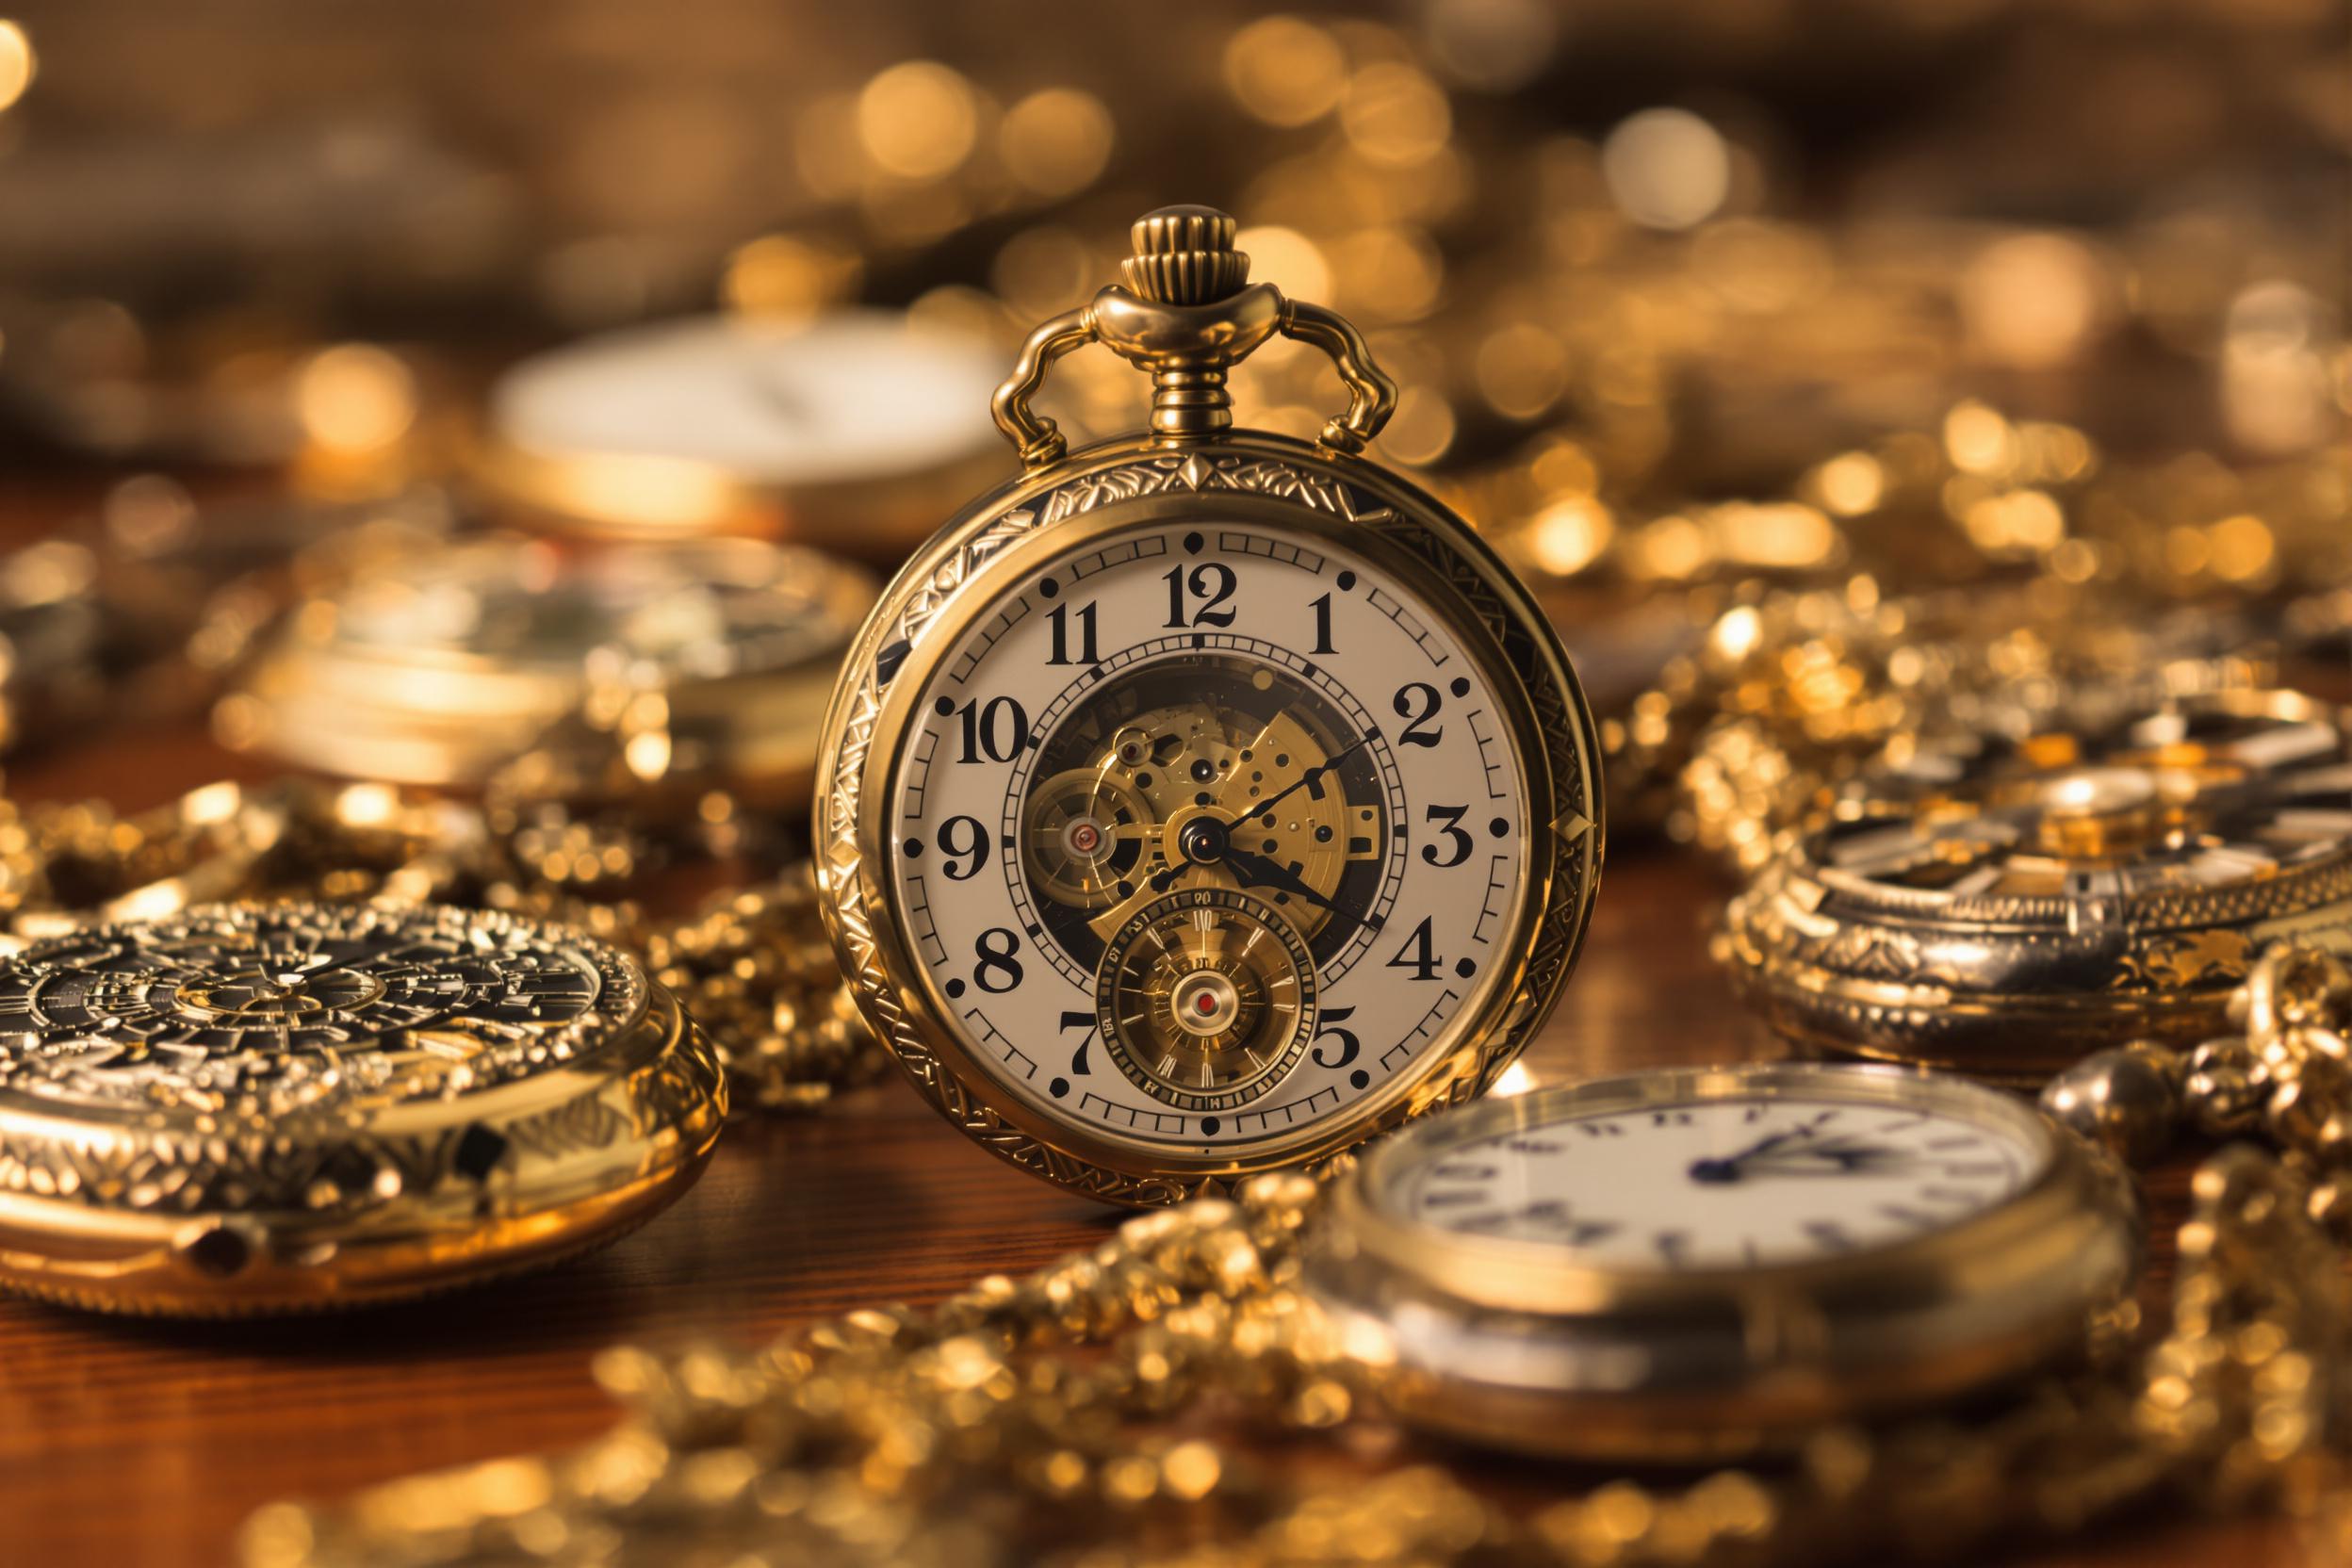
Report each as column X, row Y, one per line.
column 1461, row 686
column 945, row 706
column 1050, row 588
column 1360, row 1079
column 1346, row 582
column 1209, row 1125
column 1194, row 544
column 914, row 847
column 1058, row 1088
column 954, row 989
column 1465, row 968
column 1500, row 828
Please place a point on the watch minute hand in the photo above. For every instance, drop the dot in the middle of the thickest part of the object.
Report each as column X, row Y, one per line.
column 1309, row 777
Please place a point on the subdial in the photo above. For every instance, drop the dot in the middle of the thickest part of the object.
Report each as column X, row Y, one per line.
column 1206, row 998
column 1084, row 833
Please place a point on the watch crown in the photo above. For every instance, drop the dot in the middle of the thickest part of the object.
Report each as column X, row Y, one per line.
column 1185, row 255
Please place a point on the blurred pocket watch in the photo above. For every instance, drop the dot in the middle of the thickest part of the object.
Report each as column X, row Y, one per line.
column 1696, row 1264
column 271, row 1107
column 856, row 430
column 714, row 656
column 2003, row 903
column 1791, row 691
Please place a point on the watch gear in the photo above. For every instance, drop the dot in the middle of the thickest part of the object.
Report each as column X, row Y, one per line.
column 1205, row 998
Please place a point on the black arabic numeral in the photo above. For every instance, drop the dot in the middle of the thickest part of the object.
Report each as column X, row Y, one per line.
column 1078, row 1068
column 1212, row 584
column 1348, row 1045
column 1448, row 818
column 1424, row 959
column 995, row 948
column 1322, row 625
column 963, row 836
column 1058, row 618
column 1417, row 704
column 996, row 732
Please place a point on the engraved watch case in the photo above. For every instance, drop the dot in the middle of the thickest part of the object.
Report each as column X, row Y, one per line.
column 287, row 1107
column 2004, row 904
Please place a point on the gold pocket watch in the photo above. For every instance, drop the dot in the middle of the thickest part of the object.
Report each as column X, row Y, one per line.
column 442, row 667
column 1206, row 801
column 277, row 1107
column 1696, row 1264
column 2003, row 905
column 851, row 431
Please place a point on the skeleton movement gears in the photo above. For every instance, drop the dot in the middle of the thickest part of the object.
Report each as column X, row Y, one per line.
column 1205, row 998
column 2005, row 906
column 289, row 1106
column 1228, row 771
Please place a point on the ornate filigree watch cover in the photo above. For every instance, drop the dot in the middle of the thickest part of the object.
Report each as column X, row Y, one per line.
column 2004, row 905
column 292, row 1107
column 1206, row 801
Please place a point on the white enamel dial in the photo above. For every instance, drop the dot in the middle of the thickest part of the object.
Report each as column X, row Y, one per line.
column 855, row 395
column 1743, row 1180
column 1204, row 707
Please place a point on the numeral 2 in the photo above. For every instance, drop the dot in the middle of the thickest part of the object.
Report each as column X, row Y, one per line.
column 1417, row 704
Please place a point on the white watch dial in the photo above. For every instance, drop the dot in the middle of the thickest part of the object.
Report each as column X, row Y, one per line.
column 1206, row 833
column 1740, row 1181
column 855, row 396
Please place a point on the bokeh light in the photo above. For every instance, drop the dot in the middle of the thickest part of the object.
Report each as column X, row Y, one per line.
column 1667, row 167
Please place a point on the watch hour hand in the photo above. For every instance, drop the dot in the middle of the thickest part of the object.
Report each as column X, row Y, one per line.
column 1257, row 870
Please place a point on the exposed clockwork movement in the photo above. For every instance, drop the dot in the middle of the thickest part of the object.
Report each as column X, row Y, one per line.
column 1288, row 731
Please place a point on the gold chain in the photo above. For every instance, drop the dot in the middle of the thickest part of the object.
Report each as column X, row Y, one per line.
column 1055, row 1419
column 751, row 964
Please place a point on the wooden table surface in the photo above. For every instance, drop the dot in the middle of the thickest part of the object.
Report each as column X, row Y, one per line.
column 144, row 1445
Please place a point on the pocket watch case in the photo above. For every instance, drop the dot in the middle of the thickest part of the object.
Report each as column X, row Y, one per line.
column 292, row 1107
column 1537, row 1311
column 2004, row 905
column 442, row 668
